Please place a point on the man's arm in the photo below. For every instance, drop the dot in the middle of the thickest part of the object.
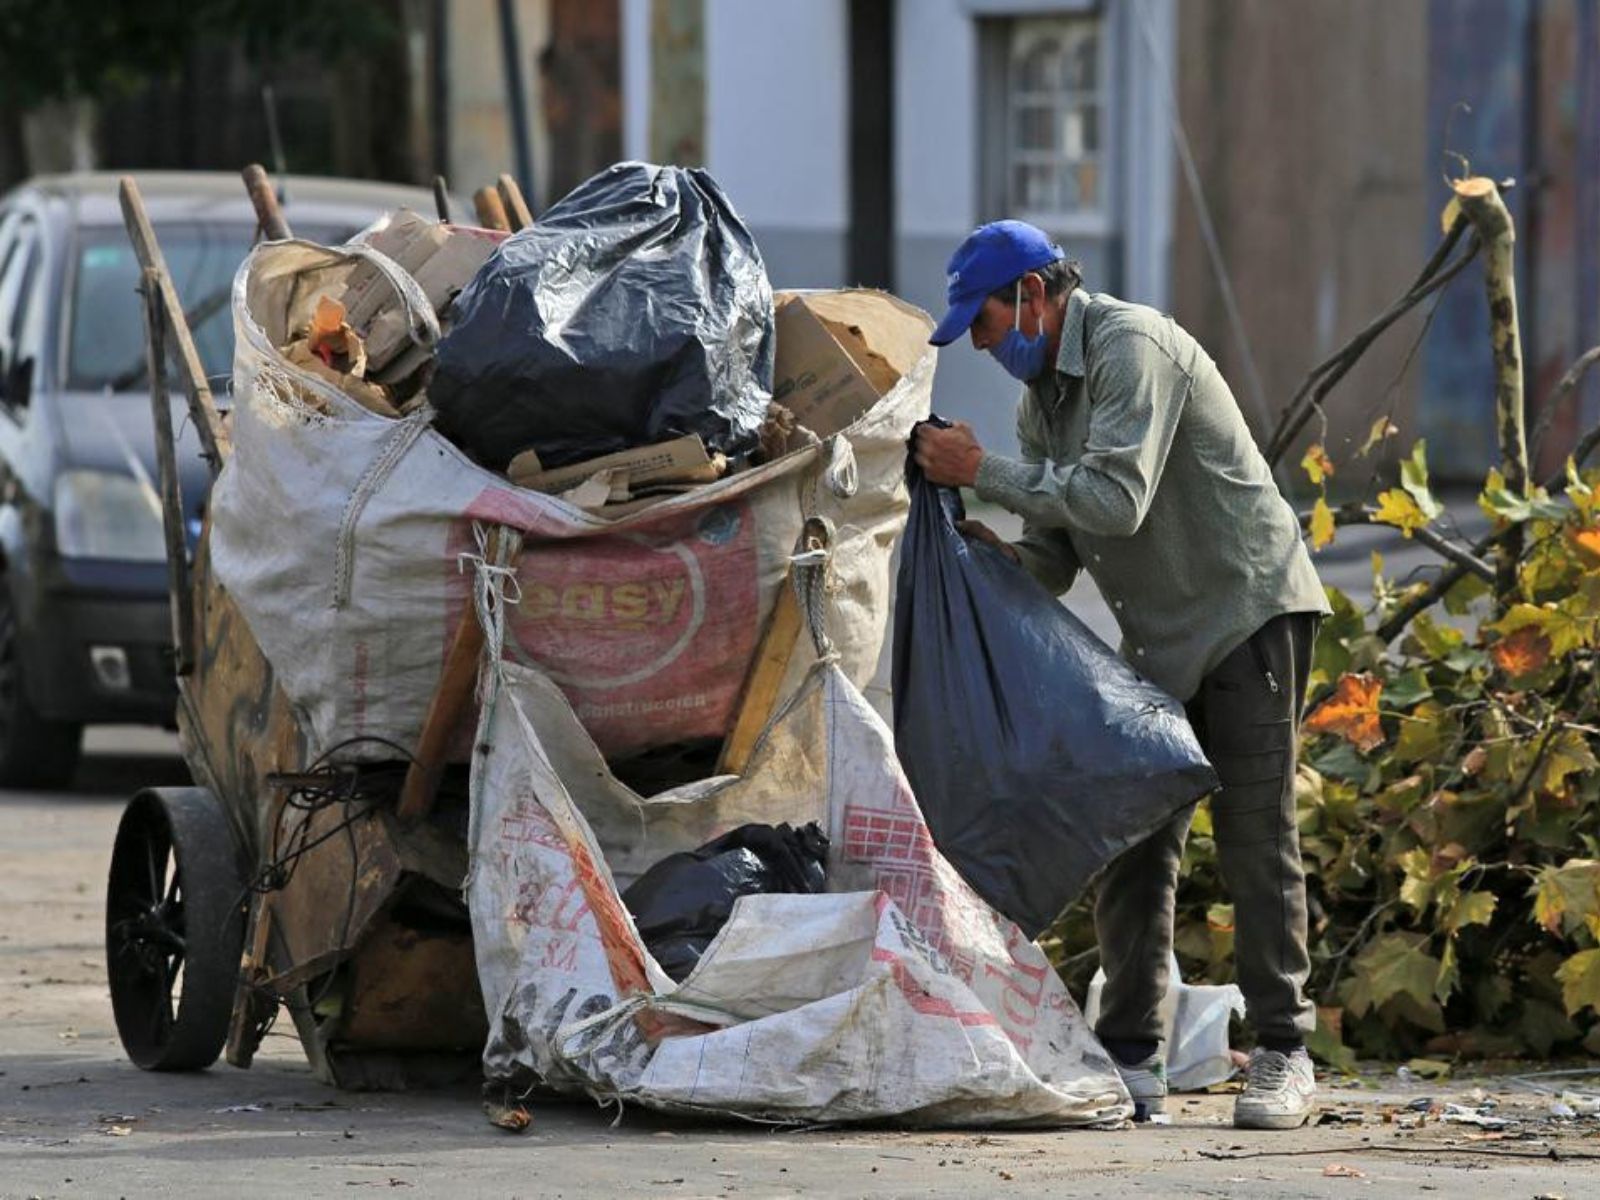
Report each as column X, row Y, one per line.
column 1045, row 553
column 1138, row 393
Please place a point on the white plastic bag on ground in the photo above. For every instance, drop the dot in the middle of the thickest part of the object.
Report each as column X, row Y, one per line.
column 338, row 532
column 899, row 995
column 1195, row 1017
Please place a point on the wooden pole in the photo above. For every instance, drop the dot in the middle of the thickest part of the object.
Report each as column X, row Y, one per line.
column 1481, row 204
column 516, row 207
column 202, row 408
column 172, row 522
column 491, row 209
column 274, row 226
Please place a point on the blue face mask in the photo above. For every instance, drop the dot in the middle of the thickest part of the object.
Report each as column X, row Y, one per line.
column 1022, row 357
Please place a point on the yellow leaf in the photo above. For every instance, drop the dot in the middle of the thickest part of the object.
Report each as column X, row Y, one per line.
column 1318, row 466
column 1565, row 897
column 1566, row 628
column 1382, row 429
column 1397, row 508
column 1580, row 981
column 1351, row 712
column 1321, row 524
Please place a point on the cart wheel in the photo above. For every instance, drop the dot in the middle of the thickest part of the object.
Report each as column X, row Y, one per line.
column 174, row 928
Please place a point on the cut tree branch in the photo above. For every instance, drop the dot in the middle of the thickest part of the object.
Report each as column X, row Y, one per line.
column 1326, row 374
column 1462, row 556
column 1481, row 204
column 1451, row 576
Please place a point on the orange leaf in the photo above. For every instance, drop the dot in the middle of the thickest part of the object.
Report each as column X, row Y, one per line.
column 1587, row 542
column 1316, row 464
column 1527, row 650
column 1351, row 712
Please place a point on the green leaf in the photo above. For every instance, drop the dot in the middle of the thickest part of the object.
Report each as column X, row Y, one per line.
column 1433, row 639
column 1407, row 690
column 1392, row 966
column 1470, row 908
column 1461, row 595
column 1382, row 429
column 1502, row 504
column 1326, row 1043
column 1414, row 479
column 1424, row 735
column 1580, row 982
column 1565, row 896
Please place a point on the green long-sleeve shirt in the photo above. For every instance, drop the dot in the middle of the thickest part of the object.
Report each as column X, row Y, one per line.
column 1137, row 466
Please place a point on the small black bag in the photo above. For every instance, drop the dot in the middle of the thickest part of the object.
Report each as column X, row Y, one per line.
column 680, row 903
column 1036, row 754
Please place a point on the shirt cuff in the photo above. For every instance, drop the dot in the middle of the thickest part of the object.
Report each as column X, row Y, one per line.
column 1000, row 478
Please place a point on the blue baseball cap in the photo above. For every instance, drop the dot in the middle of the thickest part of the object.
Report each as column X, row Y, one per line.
column 991, row 257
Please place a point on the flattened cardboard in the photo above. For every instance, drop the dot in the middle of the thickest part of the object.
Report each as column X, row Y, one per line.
column 682, row 459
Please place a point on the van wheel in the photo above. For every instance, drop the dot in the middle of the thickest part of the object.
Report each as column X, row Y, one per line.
column 35, row 752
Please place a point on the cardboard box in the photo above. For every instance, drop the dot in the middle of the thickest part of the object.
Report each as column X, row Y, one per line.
column 839, row 352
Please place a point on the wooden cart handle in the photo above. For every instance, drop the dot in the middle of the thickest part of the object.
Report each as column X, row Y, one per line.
column 273, row 223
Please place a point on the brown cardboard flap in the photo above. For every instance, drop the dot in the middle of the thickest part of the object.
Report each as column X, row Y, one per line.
column 839, row 352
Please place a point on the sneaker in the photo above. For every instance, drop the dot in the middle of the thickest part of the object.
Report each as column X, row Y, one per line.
column 1146, row 1081
column 1280, row 1091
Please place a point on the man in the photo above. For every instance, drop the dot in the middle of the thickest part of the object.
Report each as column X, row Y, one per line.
column 1138, row 466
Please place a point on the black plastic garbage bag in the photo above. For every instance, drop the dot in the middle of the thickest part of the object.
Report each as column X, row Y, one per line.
column 680, row 903
column 635, row 310
column 1036, row 754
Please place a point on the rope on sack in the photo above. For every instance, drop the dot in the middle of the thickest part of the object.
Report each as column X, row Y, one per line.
column 422, row 324
column 809, row 566
column 494, row 585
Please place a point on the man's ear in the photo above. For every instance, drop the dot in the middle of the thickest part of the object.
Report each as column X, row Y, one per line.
column 1033, row 290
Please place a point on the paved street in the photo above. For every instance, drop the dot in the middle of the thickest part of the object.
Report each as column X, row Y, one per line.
column 76, row 1119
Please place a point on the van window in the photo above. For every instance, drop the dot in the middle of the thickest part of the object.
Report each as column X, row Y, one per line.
column 106, row 342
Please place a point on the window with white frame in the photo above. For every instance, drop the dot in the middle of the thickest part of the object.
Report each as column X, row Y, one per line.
column 1055, row 169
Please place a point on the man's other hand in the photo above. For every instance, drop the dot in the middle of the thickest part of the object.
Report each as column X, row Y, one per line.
column 949, row 457
column 977, row 531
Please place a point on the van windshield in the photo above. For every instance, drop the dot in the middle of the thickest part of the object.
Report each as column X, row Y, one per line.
column 106, row 343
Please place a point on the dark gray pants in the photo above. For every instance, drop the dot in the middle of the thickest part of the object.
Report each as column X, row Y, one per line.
column 1247, row 716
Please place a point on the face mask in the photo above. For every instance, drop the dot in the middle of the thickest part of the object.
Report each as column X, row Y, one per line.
column 1022, row 357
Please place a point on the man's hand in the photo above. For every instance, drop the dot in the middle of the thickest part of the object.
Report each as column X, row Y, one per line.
column 977, row 531
column 949, row 457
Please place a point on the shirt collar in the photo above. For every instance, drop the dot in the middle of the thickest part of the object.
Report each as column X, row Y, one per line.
column 1069, row 359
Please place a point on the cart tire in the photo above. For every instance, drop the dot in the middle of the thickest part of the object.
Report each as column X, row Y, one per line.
column 174, row 928
column 35, row 752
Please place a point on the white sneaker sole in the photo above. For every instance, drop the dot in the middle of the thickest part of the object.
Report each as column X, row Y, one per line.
column 1273, row 1120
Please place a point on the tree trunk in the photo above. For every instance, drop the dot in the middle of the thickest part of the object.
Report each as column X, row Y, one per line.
column 1481, row 204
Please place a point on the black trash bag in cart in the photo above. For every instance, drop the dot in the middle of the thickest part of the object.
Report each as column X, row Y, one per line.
column 1036, row 754
column 680, row 903
column 635, row 310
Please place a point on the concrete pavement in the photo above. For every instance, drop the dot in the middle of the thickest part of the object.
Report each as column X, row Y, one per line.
column 76, row 1119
